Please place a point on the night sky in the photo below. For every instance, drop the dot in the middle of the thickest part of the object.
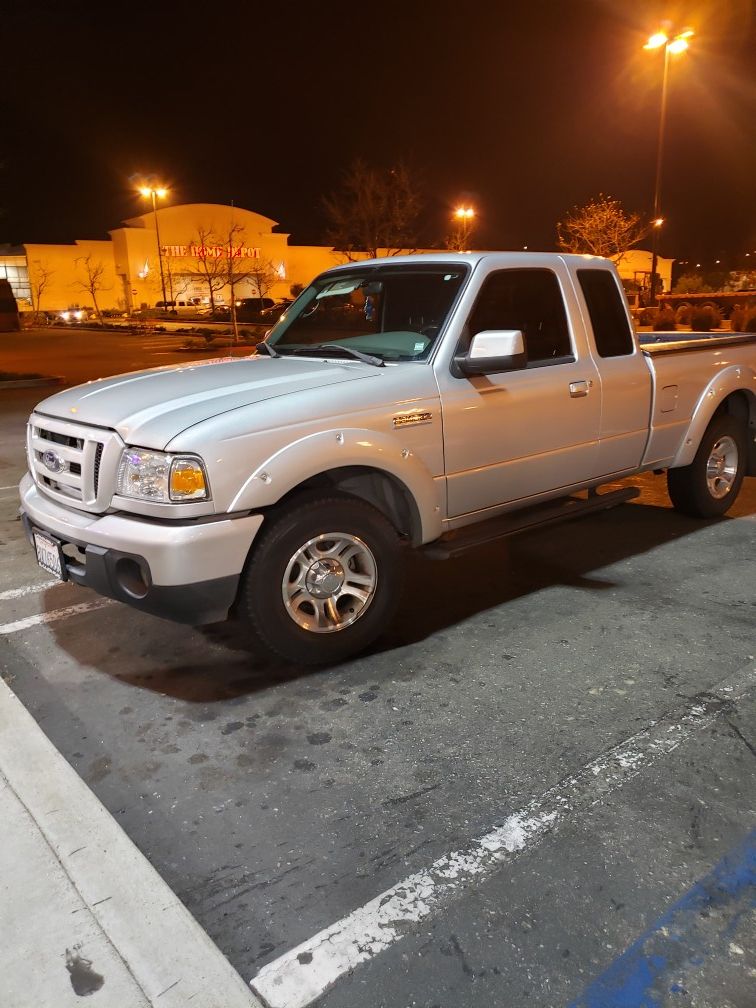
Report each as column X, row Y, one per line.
column 525, row 109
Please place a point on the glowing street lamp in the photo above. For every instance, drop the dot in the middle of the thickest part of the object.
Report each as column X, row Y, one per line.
column 156, row 193
column 465, row 215
column 672, row 45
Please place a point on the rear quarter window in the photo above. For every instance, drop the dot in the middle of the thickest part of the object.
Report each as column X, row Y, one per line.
column 611, row 328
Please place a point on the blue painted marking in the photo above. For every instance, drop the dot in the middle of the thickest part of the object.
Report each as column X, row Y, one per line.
column 687, row 934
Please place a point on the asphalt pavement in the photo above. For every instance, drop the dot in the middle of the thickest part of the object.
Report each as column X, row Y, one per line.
column 537, row 789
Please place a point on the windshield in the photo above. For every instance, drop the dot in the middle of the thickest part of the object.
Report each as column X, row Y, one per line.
column 393, row 313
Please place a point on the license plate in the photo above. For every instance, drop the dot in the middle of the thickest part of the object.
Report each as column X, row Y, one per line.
column 49, row 555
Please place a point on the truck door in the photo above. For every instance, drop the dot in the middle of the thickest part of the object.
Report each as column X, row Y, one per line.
column 515, row 435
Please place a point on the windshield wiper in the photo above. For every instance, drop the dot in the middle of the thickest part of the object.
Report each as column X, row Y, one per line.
column 268, row 349
column 341, row 350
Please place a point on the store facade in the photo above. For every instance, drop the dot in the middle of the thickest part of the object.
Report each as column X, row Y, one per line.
column 194, row 252
column 191, row 254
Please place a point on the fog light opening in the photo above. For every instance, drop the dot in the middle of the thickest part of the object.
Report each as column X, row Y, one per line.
column 131, row 577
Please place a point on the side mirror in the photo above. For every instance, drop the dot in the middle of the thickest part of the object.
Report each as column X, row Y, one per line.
column 492, row 352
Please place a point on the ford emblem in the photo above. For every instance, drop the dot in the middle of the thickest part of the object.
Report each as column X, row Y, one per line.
column 52, row 461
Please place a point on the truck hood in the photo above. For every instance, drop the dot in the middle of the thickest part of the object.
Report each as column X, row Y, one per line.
column 149, row 408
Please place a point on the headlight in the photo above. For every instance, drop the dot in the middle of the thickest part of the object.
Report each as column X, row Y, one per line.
column 157, row 476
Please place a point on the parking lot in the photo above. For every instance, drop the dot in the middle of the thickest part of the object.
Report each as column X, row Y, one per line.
column 537, row 789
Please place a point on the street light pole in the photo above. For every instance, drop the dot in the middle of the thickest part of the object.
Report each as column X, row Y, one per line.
column 154, row 195
column 657, row 183
column 677, row 44
column 465, row 215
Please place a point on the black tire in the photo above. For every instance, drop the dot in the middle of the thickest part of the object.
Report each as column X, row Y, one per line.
column 275, row 595
column 697, row 489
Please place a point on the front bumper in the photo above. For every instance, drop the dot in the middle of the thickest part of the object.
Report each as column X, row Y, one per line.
column 184, row 571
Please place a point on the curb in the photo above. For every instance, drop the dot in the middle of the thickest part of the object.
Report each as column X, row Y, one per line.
column 169, row 956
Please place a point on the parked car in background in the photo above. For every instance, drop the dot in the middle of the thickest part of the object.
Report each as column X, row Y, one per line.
column 274, row 313
column 74, row 315
column 190, row 306
column 248, row 309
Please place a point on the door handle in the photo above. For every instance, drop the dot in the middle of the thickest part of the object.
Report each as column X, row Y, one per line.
column 580, row 388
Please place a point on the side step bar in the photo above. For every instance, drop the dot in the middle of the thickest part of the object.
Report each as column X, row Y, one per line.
column 458, row 541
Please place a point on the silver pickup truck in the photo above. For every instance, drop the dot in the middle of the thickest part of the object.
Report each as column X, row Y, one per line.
column 435, row 402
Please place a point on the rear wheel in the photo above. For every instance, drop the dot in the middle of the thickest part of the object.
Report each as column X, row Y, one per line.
column 709, row 485
column 323, row 581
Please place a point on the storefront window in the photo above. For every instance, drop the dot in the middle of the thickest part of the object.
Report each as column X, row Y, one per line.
column 18, row 277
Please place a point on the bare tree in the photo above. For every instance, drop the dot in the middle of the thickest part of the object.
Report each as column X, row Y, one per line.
column 210, row 262
column 602, row 227
column 459, row 239
column 238, row 267
column 92, row 283
column 263, row 276
column 375, row 210
column 40, row 277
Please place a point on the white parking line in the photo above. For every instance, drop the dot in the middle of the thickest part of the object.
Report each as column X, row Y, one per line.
column 53, row 616
column 12, row 593
column 300, row 976
column 13, row 486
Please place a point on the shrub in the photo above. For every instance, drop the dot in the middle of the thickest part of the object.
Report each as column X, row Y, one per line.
column 646, row 316
column 665, row 320
column 743, row 316
column 691, row 283
column 705, row 318
column 682, row 315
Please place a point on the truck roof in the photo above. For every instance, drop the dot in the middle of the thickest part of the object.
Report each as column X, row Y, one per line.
column 473, row 258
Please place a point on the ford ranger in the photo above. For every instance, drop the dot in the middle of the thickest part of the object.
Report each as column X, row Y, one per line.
column 430, row 401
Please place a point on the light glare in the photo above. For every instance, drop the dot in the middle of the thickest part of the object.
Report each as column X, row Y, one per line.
column 656, row 41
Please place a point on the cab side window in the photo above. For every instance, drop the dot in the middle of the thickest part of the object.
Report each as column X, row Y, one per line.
column 529, row 300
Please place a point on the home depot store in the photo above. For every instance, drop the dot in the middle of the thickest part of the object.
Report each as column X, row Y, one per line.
column 196, row 241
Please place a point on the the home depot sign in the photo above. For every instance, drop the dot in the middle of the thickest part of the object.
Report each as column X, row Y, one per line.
column 210, row 252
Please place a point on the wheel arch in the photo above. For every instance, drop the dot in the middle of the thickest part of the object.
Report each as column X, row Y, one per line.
column 383, row 490
column 725, row 394
column 364, row 464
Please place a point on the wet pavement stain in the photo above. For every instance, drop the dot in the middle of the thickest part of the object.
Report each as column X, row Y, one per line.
column 99, row 770
column 332, row 705
column 319, row 738
column 84, row 979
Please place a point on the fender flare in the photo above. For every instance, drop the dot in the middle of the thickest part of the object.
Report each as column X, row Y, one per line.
column 340, row 448
column 735, row 378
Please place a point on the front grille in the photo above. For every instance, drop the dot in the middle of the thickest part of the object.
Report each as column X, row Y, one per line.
column 69, row 461
column 62, row 439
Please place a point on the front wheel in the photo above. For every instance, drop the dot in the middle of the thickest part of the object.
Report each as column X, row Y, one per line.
column 323, row 580
column 709, row 485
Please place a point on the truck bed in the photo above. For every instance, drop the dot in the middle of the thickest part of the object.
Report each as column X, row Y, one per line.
column 666, row 342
